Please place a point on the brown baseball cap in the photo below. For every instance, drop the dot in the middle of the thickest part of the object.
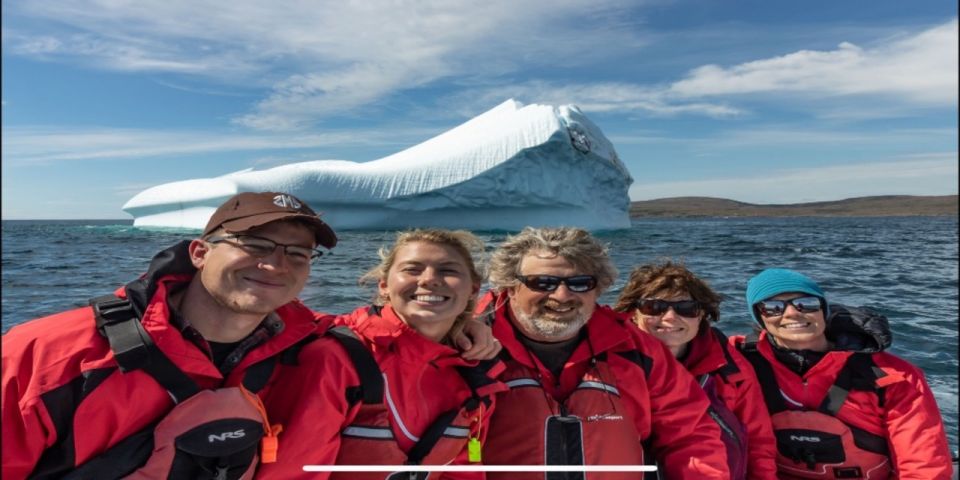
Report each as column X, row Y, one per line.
column 247, row 210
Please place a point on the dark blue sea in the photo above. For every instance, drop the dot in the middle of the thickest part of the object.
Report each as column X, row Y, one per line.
column 905, row 267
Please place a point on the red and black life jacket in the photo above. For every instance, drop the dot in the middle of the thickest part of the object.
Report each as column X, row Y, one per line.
column 217, row 434
column 732, row 431
column 592, row 426
column 815, row 443
column 369, row 438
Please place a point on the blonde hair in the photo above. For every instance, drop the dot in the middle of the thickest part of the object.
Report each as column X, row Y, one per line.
column 466, row 244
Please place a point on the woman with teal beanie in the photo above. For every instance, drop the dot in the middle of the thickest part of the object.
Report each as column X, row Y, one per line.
column 841, row 407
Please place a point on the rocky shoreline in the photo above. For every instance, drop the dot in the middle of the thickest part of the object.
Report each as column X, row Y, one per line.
column 876, row 206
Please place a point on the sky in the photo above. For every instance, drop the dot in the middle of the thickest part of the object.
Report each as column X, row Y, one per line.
column 760, row 101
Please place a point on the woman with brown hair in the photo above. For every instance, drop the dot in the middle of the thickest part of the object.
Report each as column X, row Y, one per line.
column 669, row 302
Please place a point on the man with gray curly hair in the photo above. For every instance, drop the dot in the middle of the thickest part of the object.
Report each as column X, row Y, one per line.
column 587, row 387
column 562, row 315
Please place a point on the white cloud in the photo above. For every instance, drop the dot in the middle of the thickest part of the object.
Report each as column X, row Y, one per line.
column 122, row 53
column 301, row 98
column 918, row 68
column 23, row 146
column 930, row 174
column 320, row 57
column 590, row 97
column 317, row 59
column 783, row 137
column 730, row 143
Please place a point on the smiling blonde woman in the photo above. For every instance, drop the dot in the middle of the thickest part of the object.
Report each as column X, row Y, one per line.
column 390, row 388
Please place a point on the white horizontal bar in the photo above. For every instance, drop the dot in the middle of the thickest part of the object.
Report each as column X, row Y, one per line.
column 479, row 468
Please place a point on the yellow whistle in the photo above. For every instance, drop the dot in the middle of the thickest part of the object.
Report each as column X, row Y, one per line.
column 473, row 450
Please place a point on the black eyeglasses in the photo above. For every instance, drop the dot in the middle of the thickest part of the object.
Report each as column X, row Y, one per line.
column 550, row 283
column 775, row 308
column 261, row 247
column 655, row 307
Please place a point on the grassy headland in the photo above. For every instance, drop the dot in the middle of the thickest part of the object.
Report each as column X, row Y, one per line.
column 879, row 206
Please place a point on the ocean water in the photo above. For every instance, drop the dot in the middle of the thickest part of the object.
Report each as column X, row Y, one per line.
column 904, row 267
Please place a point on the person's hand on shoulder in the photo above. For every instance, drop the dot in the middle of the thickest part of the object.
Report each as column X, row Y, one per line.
column 476, row 341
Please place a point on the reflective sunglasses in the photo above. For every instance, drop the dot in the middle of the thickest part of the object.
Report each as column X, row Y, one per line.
column 262, row 247
column 655, row 307
column 550, row 283
column 775, row 308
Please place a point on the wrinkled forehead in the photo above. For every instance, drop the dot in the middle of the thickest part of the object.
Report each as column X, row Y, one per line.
column 546, row 261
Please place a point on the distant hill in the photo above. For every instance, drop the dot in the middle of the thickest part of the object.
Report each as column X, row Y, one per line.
column 879, row 206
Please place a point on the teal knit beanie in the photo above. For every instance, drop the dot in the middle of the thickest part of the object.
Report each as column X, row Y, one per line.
column 774, row 281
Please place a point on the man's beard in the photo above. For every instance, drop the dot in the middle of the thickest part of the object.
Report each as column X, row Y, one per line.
column 547, row 326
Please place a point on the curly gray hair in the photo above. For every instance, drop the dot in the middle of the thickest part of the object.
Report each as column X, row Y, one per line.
column 575, row 245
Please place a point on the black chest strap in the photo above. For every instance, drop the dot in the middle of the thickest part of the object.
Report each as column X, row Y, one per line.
column 768, row 380
column 730, row 367
column 371, row 389
column 858, row 373
column 768, row 384
column 475, row 378
column 133, row 349
column 638, row 358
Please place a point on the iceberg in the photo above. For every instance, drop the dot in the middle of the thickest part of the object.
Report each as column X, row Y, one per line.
column 513, row 166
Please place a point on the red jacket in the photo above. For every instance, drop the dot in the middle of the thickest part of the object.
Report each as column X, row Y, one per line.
column 627, row 390
column 909, row 418
column 64, row 399
column 421, row 382
column 740, row 391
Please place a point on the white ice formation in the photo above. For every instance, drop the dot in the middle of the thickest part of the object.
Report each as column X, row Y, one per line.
column 510, row 167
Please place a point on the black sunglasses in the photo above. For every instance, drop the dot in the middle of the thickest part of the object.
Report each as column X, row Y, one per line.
column 775, row 308
column 655, row 307
column 550, row 283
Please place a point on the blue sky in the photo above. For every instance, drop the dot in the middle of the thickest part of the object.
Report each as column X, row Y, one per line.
column 758, row 101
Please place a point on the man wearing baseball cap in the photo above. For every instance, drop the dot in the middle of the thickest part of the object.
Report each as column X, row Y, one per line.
column 95, row 388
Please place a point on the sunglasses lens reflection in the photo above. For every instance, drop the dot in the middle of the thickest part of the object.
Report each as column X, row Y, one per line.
column 543, row 283
column 771, row 308
column 775, row 308
column 581, row 284
column 806, row 304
